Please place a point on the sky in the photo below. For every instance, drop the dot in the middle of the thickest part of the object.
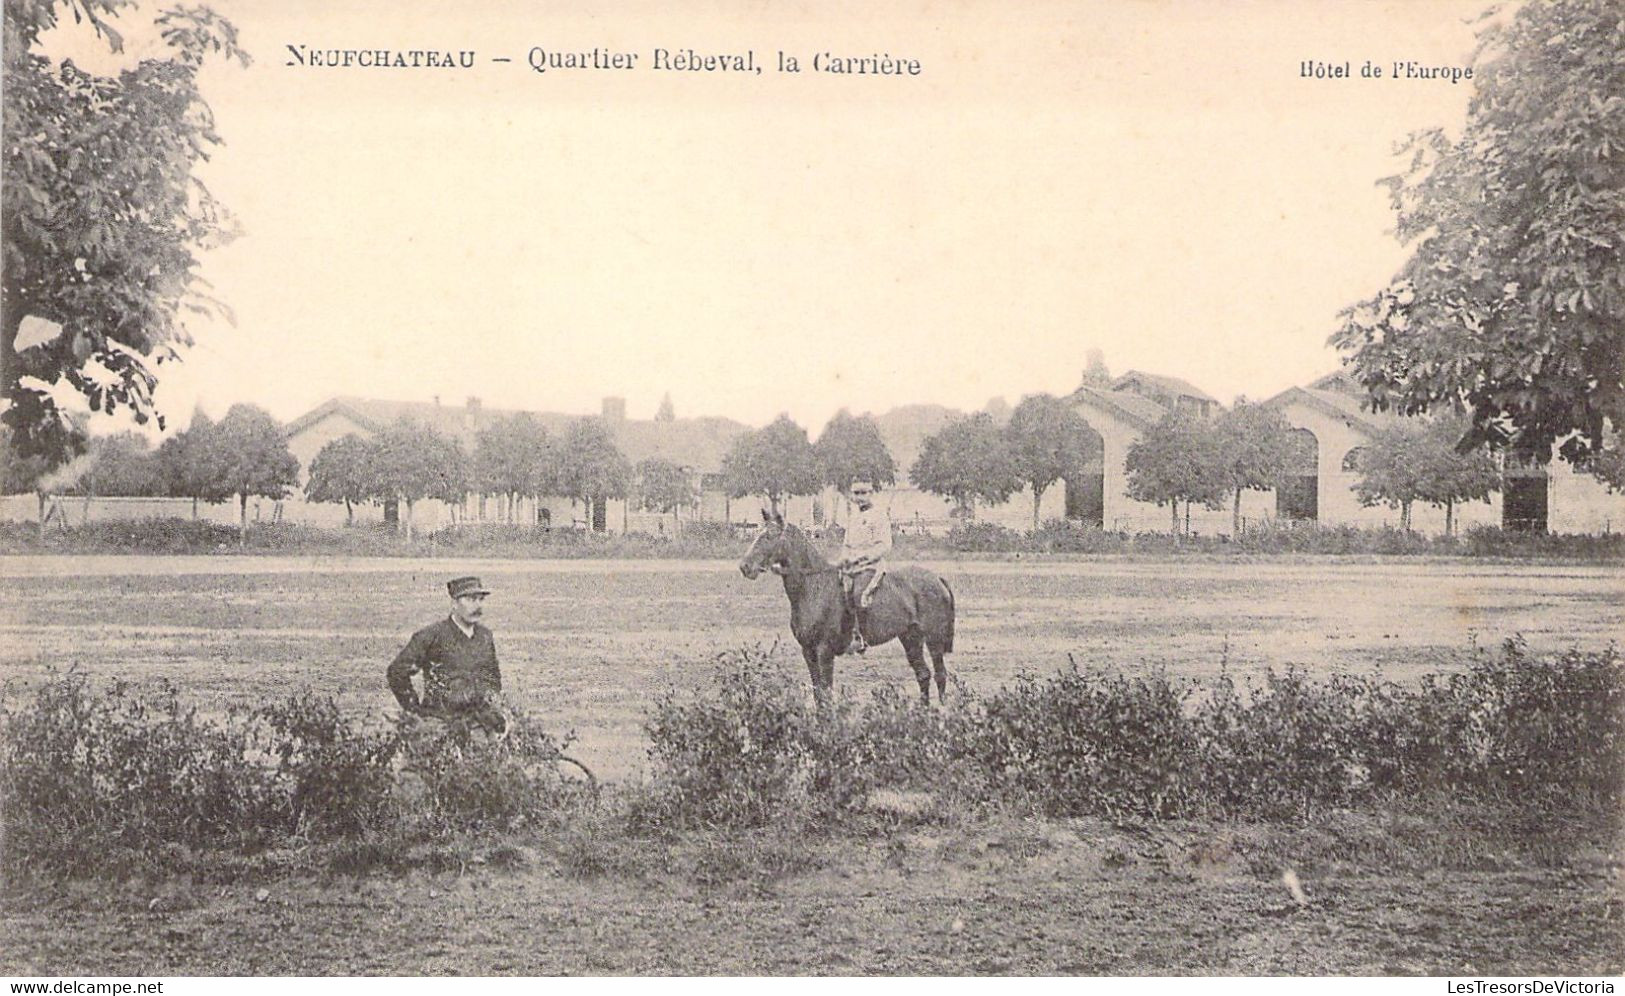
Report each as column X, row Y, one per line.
column 1151, row 178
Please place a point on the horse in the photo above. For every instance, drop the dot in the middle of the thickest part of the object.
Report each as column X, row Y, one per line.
column 911, row 605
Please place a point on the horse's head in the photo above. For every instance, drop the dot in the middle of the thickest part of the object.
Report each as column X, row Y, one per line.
column 770, row 548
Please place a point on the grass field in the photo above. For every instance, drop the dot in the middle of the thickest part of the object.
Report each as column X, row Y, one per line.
column 589, row 644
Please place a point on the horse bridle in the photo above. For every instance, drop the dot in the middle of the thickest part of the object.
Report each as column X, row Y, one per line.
column 786, row 570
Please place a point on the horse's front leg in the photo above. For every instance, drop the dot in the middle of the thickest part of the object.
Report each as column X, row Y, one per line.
column 814, row 656
column 826, row 664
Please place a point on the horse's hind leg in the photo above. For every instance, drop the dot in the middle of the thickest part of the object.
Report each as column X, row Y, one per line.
column 941, row 669
column 914, row 645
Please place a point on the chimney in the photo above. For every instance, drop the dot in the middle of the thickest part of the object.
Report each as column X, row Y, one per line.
column 614, row 409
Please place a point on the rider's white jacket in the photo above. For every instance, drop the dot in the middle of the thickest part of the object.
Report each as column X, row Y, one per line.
column 868, row 538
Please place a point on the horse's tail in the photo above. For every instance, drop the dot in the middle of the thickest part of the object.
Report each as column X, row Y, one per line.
column 948, row 637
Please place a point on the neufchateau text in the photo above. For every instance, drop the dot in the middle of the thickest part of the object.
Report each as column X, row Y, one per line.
column 551, row 60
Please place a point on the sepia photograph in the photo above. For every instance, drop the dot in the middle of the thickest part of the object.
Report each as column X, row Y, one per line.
column 1071, row 488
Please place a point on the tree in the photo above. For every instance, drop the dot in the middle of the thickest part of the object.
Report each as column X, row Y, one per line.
column 414, row 462
column 665, row 413
column 187, row 461
column 252, row 460
column 343, row 471
column 100, row 216
column 775, row 460
column 967, row 460
column 591, row 469
column 850, row 449
column 664, row 487
column 20, row 473
column 1451, row 476
column 1416, row 459
column 1177, row 461
column 1608, row 464
column 1049, row 441
column 1254, row 450
column 513, row 458
column 122, row 465
column 1512, row 303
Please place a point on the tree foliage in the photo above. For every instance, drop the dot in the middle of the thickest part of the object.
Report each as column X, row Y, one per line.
column 102, row 216
column 19, row 472
column 251, row 458
column 415, row 461
column 851, row 449
column 1178, row 460
column 967, row 460
column 122, row 465
column 343, row 471
column 590, row 466
column 1418, row 460
column 775, row 460
column 664, row 487
column 1255, row 451
column 1513, row 300
column 514, row 458
column 188, row 461
column 1048, row 441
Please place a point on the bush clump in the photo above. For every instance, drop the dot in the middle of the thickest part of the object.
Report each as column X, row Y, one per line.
column 752, row 750
column 130, row 776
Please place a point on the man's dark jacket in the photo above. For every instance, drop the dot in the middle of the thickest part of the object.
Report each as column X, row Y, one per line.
column 459, row 672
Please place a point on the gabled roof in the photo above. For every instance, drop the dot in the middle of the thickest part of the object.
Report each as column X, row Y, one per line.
column 1173, row 385
column 1131, row 408
column 1337, row 404
column 696, row 443
column 1337, row 380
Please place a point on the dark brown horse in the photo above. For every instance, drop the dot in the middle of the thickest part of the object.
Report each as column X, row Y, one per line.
column 911, row 605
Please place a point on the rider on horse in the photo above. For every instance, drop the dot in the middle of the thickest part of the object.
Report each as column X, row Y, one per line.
column 863, row 554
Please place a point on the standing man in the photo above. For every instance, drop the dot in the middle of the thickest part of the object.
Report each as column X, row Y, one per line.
column 863, row 555
column 457, row 659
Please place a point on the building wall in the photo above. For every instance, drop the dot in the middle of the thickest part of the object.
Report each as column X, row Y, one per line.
column 1576, row 501
column 1579, row 503
column 310, row 440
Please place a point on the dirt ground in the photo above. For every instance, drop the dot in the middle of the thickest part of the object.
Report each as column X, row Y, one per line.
column 1077, row 898
column 588, row 644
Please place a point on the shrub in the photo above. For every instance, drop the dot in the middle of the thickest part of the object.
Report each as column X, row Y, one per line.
column 1063, row 536
column 454, row 782
column 129, row 776
column 751, row 751
column 984, row 537
column 1489, row 541
column 87, row 775
column 1095, row 743
column 735, row 756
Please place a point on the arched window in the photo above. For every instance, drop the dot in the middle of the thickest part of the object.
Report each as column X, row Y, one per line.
column 1351, row 459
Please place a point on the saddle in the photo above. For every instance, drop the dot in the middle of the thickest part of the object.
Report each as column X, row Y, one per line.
column 860, row 589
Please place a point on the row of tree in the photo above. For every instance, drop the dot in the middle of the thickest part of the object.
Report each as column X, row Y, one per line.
column 1180, row 462
column 513, row 459
column 972, row 459
column 244, row 455
column 1185, row 461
